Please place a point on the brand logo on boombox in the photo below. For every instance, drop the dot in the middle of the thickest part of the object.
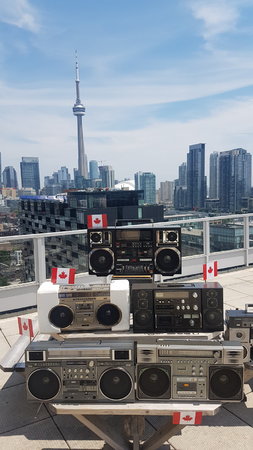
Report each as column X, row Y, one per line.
column 86, row 307
column 134, row 251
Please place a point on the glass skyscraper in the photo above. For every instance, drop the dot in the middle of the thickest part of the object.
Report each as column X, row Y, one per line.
column 10, row 177
column 234, row 179
column 196, row 185
column 146, row 181
column 30, row 177
column 214, row 175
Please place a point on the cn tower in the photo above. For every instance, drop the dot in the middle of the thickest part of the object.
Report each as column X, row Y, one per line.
column 79, row 111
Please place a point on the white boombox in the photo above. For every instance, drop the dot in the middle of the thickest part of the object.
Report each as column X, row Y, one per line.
column 85, row 307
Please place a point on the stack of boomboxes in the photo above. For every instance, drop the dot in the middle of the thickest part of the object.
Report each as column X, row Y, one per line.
column 133, row 339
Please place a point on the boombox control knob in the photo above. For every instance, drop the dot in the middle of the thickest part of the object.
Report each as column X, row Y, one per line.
column 195, row 294
column 195, row 307
column 216, row 354
column 192, row 322
column 91, row 364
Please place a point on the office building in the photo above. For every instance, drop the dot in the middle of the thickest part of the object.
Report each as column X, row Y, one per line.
column 79, row 112
column 10, row 178
column 196, row 185
column 0, row 170
column 182, row 175
column 94, row 171
column 214, row 175
column 166, row 192
column 146, row 181
column 234, row 179
column 30, row 176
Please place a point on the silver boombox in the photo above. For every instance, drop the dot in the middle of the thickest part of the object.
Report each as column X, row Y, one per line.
column 83, row 307
column 80, row 372
column 210, row 370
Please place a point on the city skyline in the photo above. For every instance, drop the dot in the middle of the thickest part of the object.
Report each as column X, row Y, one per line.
column 155, row 79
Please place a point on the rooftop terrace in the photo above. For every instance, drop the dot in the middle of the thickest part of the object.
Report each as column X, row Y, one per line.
column 24, row 427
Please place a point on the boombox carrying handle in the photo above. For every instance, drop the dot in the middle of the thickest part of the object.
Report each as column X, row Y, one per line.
column 133, row 221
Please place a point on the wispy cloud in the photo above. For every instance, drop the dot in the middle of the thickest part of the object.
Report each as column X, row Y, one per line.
column 19, row 13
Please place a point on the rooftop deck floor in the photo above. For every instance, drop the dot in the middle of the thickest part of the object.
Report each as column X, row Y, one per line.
column 23, row 427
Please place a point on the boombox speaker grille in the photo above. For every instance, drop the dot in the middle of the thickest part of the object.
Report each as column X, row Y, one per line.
column 115, row 384
column 43, row 384
column 101, row 260
column 108, row 314
column 226, row 383
column 61, row 316
column 167, row 260
column 154, row 382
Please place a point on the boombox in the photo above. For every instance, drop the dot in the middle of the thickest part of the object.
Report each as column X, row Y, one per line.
column 134, row 251
column 165, row 307
column 86, row 307
column 186, row 371
column 240, row 328
column 80, row 372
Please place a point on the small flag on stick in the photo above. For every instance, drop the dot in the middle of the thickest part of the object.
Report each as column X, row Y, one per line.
column 187, row 418
column 25, row 326
column 63, row 276
column 97, row 221
column 210, row 270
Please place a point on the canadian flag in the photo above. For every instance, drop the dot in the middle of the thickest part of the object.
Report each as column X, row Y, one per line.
column 63, row 276
column 187, row 418
column 97, row 221
column 25, row 326
column 210, row 270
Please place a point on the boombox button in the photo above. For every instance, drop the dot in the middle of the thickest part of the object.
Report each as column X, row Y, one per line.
column 182, row 301
column 183, row 307
column 87, row 371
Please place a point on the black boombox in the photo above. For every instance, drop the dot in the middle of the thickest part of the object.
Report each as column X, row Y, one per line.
column 166, row 307
column 134, row 251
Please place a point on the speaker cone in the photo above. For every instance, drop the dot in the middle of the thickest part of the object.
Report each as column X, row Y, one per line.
column 43, row 384
column 143, row 317
column 167, row 260
column 154, row 381
column 115, row 384
column 61, row 316
column 213, row 317
column 101, row 260
column 108, row 314
column 225, row 383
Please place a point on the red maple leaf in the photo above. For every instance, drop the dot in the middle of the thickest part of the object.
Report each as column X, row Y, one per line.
column 210, row 269
column 63, row 275
column 187, row 418
column 97, row 220
column 25, row 326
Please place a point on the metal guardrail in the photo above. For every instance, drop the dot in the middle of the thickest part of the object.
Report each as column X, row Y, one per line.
column 192, row 265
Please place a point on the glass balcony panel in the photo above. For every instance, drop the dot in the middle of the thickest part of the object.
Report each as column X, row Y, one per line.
column 226, row 234
column 66, row 251
column 192, row 238
column 251, row 231
column 16, row 262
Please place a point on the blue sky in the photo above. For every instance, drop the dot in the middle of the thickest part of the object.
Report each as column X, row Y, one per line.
column 155, row 78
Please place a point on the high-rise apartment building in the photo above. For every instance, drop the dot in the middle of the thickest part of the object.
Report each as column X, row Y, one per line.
column 196, row 186
column 214, row 175
column 107, row 176
column 166, row 191
column 146, row 181
column 182, row 175
column 0, row 170
column 30, row 176
column 10, row 177
column 234, row 178
column 94, row 171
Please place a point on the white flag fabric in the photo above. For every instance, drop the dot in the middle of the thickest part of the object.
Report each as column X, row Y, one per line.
column 62, row 275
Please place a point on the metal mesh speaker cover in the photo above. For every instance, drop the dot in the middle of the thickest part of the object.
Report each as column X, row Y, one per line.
column 101, row 260
column 167, row 260
column 43, row 384
column 61, row 316
column 115, row 384
column 154, row 381
column 225, row 383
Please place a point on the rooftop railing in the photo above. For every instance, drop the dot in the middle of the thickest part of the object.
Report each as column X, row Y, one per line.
column 26, row 260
